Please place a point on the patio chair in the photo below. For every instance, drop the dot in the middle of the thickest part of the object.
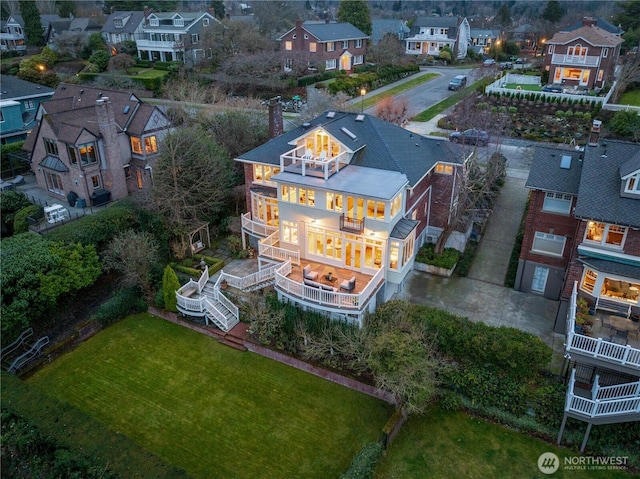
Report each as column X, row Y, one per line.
column 606, row 324
column 348, row 284
column 323, row 156
column 308, row 155
column 308, row 274
column 620, row 337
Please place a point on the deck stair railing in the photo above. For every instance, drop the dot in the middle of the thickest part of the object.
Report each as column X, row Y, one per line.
column 253, row 281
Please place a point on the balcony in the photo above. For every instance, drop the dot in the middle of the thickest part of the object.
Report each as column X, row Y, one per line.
column 303, row 161
column 256, row 228
column 159, row 45
column 269, row 247
column 351, row 225
column 587, row 61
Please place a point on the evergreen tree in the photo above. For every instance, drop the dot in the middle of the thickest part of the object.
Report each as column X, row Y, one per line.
column 218, row 8
column 66, row 8
column 503, row 17
column 32, row 23
column 553, row 12
column 355, row 12
column 629, row 14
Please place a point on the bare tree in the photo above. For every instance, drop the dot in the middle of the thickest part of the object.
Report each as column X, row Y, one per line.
column 628, row 74
column 70, row 43
column 47, row 7
column 389, row 51
column 394, row 110
column 318, row 101
column 121, row 61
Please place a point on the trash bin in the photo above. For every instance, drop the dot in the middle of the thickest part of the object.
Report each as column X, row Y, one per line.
column 72, row 197
column 100, row 197
column 81, row 203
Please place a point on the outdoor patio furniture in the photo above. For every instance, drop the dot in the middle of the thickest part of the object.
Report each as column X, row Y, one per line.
column 348, row 284
column 606, row 324
column 308, row 274
column 620, row 337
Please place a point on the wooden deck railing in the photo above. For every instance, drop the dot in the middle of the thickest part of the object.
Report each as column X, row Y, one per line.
column 597, row 348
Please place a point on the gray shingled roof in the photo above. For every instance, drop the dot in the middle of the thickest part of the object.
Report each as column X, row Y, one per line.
column 129, row 27
column 600, row 23
column 381, row 145
column 599, row 195
column 631, row 165
column 12, row 88
column 612, row 267
column 439, row 22
column 333, row 32
column 381, row 26
column 546, row 174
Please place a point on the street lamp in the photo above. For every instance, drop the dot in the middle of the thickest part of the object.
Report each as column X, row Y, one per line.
column 363, row 92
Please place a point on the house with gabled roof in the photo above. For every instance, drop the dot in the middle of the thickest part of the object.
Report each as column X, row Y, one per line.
column 175, row 36
column 483, row 39
column 338, row 208
column 429, row 35
column 388, row 26
column 327, row 45
column 122, row 26
column 12, row 36
column 584, row 58
column 95, row 142
column 598, row 22
column 19, row 101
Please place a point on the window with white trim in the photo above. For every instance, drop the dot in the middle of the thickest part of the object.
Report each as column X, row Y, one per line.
column 547, row 243
column 154, row 22
column 331, row 46
column 551, row 49
column 95, row 182
column 50, row 146
column 605, row 52
column 117, row 22
column 396, row 205
column 358, row 60
column 632, row 185
column 262, row 174
column 345, row 44
column 306, row 37
column 359, row 43
column 557, row 203
column 290, row 231
column 29, row 105
column 288, row 64
column 605, row 234
column 444, row 169
column 331, row 64
column 195, row 38
column 205, row 22
column 334, row 201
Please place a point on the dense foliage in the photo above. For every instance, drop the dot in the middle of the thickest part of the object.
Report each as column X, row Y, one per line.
column 170, row 285
column 124, row 302
column 32, row 23
column 363, row 465
column 355, row 12
column 20, row 222
column 448, row 259
column 36, row 273
column 12, row 202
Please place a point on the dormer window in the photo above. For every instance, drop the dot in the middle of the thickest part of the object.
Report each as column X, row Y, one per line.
column 632, row 185
column 154, row 22
column 117, row 22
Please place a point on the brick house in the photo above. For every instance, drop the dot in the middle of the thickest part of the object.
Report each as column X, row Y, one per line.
column 328, row 46
column 95, row 142
column 429, row 35
column 584, row 58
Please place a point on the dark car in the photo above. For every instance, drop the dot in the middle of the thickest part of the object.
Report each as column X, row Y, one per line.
column 470, row 137
column 458, row 82
column 506, row 65
column 552, row 88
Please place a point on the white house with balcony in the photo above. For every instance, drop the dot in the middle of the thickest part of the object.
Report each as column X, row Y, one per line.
column 429, row 35
column 175, row 36
column 12, row 37
column 338, row 208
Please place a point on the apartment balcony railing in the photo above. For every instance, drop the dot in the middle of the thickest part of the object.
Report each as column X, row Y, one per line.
column 256, row 228
column 351, row 225
column 588, row 61
column 153, row 44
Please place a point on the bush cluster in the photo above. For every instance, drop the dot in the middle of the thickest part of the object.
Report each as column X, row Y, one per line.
column 20, row 222
column 446, row 260
column 371, row 81
column 124, row 302
column 363, row 465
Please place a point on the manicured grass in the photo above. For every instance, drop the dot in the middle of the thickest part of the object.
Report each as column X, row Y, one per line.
column 446, row 445
column 209, row 409
column 438, row 108
column 414, row 82
column 150, row 73
column 630, row 98
column 514, row 86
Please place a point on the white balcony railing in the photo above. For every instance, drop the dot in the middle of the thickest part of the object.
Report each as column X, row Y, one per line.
column 260, row 229
column 322, row 165
column 246, row 283
column 347, row 301
column 587, row 61
column 597, row 407
column 145, row 44
column 597, row 348
column 267, row 247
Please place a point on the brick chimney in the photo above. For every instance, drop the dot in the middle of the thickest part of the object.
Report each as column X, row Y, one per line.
column 147, row 12
column 589, row 22
column 276, row 121
column 594, row 135
column 111, row 165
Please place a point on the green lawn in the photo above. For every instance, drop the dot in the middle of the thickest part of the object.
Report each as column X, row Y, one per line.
column 147, row 73
column 630, row 98
column 396, row 90
column 444, row 445
column 209, row 409
column 514, row 86
column 448, row 102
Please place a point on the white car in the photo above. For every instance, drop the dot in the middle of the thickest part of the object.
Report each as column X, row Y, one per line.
column 489, row 61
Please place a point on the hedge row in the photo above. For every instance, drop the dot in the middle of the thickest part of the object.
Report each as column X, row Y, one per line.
column 370, row 80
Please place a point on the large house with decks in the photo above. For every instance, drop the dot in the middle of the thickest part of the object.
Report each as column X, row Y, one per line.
column 429, row 35
column 584, row 58
column 338, row 208
column 175, row 36
column 97, row 143
column 331, row 46
column 582, row 240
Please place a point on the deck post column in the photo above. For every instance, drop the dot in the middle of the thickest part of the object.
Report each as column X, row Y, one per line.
column 586, row 438
column 564, row 422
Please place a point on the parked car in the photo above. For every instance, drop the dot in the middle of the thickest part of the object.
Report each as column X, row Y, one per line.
column 552, row 88
column 519, row 61
column 489, row 62
column 458, row 82
column 506, row 65
column 470, row 137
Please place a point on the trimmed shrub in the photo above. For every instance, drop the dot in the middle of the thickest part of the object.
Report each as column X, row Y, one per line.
column 364, row 463
column 513, row 109
column 465, row 261
column 568, row 114
column 124, row 302
column 560, row 114
column 20, row 223
column 170, row 285
column 447, row 260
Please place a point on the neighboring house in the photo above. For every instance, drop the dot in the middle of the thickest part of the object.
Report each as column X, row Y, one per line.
column 121, row 27
column 336, row 46
column 482, row 40
column 584, row 58
column 19, row 101
column 381, row 27
column 429, row 35
column 12, row 37
column 175, row 36
column 525, row 36
column 352, row 195
column 95, row 142
column 54, row 25
column 598, row 22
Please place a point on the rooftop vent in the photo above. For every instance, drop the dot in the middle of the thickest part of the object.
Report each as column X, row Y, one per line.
column 360, row 118
column 565, row 162
column 349, row 133
column 331, row 114
column 126, row 109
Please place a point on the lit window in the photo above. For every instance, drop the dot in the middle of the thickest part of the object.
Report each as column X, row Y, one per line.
column 547, row 243
column 632, row 185
column 589, row 280
column 312, row 47
column 557, row 203
column 150, row 144
column 331, row 46
column 396, row 205
column 288, row 46
column 394, row 254
column 87, row 153
column 95, row 182
column 290, row 231
column 136, row 145
column 334, row 202
column 444, row 169
column 605, row 234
